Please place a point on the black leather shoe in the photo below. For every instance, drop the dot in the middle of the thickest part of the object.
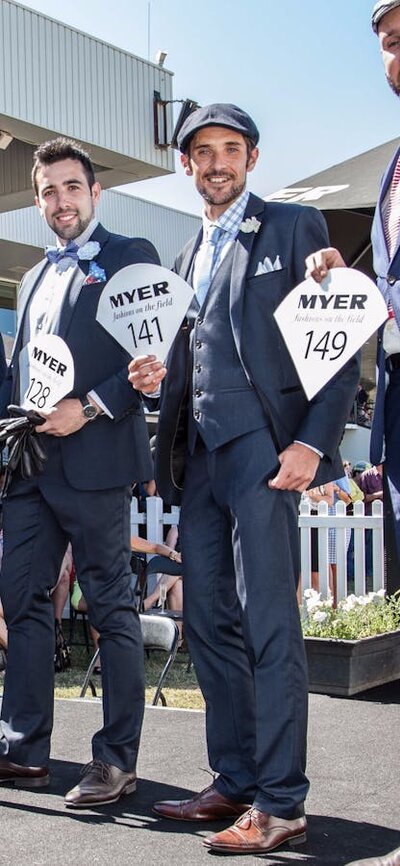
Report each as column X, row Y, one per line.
column 23, row 777
column 101, row 783
column 392, row 859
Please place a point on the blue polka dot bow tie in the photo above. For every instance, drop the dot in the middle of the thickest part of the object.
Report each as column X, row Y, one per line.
column 56, row 254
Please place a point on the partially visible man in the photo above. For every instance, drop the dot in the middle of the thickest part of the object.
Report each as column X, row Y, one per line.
column 234, row 411
column 385, row 433
column 96, row 444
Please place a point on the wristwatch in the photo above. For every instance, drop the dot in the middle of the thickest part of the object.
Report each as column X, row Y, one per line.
column 89, row 411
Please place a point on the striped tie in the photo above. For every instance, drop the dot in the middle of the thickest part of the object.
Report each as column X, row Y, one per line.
column 207, row 255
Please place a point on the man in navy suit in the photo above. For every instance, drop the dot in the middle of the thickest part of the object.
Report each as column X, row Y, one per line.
column 385, row 237
column 235, row 422
column 96, row 444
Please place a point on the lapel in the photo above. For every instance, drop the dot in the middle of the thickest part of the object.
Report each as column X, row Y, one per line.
column 74, row 289
column 189, row 254
column 241, row 257
column 28, row 286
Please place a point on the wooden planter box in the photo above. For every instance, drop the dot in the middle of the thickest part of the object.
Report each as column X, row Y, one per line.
column 345, row 667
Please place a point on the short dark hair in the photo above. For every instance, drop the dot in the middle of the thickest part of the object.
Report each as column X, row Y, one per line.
column 55, row 151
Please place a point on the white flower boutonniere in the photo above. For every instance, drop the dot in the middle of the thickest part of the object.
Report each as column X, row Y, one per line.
column 251, row 224
column 89, row 251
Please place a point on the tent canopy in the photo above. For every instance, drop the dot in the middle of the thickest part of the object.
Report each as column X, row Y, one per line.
column 346, row 194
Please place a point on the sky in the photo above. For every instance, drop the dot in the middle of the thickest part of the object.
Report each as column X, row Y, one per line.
column 308, row 71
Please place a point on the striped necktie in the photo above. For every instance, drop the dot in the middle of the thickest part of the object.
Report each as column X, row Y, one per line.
column 207, row 256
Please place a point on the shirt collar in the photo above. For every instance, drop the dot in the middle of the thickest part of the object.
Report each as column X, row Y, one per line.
column 231, row 219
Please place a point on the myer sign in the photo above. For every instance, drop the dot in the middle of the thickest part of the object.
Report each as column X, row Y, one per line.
column 324, row 325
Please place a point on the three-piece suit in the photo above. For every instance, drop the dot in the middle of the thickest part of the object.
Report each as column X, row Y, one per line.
column 83, row 495
column 385, row 433
column 231, row 402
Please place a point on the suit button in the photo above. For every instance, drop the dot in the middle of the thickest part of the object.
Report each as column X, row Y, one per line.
column 198, row 344
column 196, row 414
column 391, row 279
column 199, row 320
column 198, row 368
column 198, row 392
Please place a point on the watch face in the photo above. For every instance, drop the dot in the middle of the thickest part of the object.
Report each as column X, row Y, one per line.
column 89, row 411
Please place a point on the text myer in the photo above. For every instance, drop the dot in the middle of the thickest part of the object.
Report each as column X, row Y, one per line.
column 333, row 302
column 141, row 294
column 49, row 361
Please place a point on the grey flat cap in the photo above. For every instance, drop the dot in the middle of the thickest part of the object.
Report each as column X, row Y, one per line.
column 218, row 114
column 381, row 8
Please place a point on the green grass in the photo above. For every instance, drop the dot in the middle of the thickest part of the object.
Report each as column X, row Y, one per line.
column 181, row 689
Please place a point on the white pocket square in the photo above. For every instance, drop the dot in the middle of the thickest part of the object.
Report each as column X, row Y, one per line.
column 267, row 266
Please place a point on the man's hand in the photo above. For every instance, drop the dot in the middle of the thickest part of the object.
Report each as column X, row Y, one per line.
column 64, row 418
column 146, row 373
column 318, row 265
column 299, row 465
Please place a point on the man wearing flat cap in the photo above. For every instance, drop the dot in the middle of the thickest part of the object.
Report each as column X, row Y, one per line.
column 385, row 237
column 235, row 421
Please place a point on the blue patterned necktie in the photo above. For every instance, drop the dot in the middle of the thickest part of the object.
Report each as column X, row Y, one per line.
column 207, row 260
column 55, row 254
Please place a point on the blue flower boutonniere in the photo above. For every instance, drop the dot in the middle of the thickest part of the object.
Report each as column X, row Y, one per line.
column 89, row 251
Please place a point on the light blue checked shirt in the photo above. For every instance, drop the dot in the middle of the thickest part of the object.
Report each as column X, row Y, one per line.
column 230, row 221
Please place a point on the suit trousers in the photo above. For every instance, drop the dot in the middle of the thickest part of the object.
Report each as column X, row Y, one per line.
column 40, row 517
column 240, row 549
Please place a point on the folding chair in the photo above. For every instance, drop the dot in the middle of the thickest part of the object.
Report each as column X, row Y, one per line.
column 159, row 633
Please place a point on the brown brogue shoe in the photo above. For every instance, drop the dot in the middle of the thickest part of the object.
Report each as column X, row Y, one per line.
column 208, row 805
column 100, row 784
column 391, row 859
column 258, row 833
column 23, row 777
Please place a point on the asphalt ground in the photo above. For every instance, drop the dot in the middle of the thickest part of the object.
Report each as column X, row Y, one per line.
column 353, row 807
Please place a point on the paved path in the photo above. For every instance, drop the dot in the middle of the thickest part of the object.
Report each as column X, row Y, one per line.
column 353, row 806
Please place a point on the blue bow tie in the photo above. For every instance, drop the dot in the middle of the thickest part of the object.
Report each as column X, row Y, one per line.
column 55, row 254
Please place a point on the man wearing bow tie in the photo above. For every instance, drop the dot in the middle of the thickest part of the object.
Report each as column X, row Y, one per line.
column 96, row 445
column 233, row 410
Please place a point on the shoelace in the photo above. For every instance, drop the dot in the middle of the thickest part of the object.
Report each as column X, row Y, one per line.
column 98, row 768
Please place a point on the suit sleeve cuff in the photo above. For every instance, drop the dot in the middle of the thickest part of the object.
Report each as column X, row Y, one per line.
column 100, row 403
column 311, row 447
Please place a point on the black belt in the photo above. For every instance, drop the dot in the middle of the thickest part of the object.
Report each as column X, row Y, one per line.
column 394, row 361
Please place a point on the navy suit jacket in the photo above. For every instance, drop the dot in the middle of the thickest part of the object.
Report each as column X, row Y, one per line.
column 106, row 452
column 388, row 278
column 292, row 232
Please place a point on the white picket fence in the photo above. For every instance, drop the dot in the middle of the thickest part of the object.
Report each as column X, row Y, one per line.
column 155, row 519
column 341, row 521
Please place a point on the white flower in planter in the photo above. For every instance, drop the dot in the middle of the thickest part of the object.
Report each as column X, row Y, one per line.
column 319, row 616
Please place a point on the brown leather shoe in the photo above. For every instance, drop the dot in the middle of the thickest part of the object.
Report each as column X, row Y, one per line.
column 101, row 783
column 392, row 859
column 208, row 805
column 257, row 833
column 23, row 777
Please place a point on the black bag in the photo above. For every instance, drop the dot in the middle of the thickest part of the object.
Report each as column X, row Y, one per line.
column 62, row 654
